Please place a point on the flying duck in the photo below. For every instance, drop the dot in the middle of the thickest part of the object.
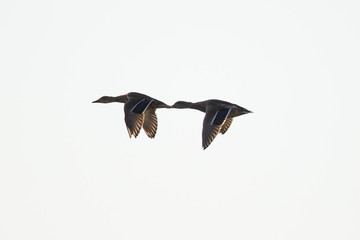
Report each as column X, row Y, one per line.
column 218, row 116
column 139, row 112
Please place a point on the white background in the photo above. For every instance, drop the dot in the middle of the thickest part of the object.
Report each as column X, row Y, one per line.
column 68, row 169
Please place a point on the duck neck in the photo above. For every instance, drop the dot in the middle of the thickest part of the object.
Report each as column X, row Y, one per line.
column 191, row 105
column 121, row 99
column 198, row 106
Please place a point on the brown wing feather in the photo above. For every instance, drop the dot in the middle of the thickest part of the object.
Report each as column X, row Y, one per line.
column 226, row 125
column 209, row 131
column 133, row 121
column 150, row 123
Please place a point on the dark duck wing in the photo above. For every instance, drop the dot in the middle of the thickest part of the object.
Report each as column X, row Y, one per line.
column 214, row 123
column 134, row 114
column 150, row 122
column 226, row 125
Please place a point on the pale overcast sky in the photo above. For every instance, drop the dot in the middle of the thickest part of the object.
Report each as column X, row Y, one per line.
column 68, row 169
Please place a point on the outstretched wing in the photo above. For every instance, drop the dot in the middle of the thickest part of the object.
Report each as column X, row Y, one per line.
column 141, row 106
column 226, row 125
column 134, row 115
column 150, row 122
column 212, row 124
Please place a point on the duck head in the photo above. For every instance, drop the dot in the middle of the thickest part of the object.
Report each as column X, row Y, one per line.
column 105, row 99
column 182, row 104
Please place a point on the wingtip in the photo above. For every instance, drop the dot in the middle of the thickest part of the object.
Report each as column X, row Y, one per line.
column 129, row 132
column 205, row 146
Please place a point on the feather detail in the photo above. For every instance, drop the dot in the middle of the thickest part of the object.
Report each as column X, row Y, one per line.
column 150, row 123
column 226, row 125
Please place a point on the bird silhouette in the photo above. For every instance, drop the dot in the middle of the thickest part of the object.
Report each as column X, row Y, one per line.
column 218, row 116
column 139, row 112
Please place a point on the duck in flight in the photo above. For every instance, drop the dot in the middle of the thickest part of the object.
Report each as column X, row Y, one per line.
column 218, row 116
column 139, row 112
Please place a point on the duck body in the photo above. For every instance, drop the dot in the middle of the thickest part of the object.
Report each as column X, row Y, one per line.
column 218, row 116
column 139, row 112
